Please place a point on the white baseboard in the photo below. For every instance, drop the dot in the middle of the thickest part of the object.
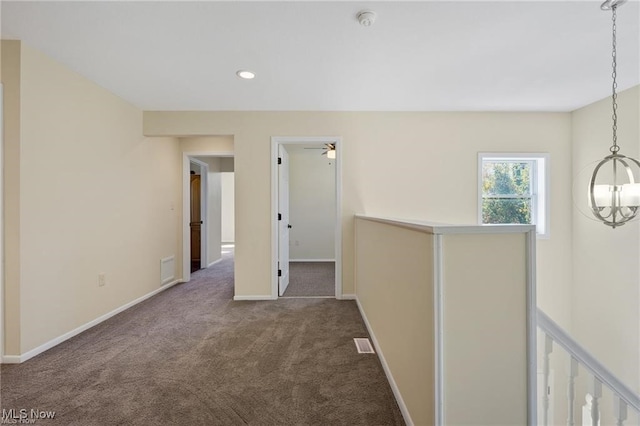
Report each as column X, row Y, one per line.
column 214, row 262
column 17, row 359
column 167, row 269
column 385, row 366
column 312, row 260
column 307, row 297
column 11, row 359
column 266, row 297
column 349, row 297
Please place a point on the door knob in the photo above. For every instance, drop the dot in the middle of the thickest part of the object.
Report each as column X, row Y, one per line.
column 289, row 226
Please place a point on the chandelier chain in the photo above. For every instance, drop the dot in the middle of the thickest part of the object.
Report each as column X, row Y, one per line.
column 614, row 97
column 614, row 187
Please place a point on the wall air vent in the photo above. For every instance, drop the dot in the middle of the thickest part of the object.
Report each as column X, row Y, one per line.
column 364, row 346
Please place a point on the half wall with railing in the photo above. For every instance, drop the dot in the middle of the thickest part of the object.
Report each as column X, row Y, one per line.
column 451, row 311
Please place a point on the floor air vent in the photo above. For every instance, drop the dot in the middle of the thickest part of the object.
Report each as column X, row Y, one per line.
column 364, row 346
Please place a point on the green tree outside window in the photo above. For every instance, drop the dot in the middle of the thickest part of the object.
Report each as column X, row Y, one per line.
column 507, row 192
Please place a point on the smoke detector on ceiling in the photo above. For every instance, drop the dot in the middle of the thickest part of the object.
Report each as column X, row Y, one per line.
column 366, row 18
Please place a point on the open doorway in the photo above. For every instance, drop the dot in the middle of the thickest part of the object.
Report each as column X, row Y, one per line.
column 202, row 208
column 197, row 210
column 306, row 182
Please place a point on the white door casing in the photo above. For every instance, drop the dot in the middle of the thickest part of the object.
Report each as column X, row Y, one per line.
column 283, row 220
column 187, row 157
column 276, row 142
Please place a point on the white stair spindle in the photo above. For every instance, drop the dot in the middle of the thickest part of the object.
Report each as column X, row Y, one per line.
column 571, row 390
column 586, row 410
column 619, row 410
column 595, row 389
column 548, row 348
column 626, row 408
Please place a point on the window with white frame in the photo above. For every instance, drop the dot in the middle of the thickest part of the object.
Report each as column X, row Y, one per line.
column 513, row 188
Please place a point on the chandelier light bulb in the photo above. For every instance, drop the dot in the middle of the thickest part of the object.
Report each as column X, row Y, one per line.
column 615, row 199
column 630, row 195
column 601, row 196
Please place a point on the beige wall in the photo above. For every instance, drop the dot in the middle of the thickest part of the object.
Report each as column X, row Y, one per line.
column 210, row 145
column 96, row 196
column 484, row 296
column 398, row 304
column 606, row 289
column 410, row 165
column 11, row 203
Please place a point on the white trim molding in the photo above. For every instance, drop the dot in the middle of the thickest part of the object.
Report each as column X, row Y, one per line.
column 532, row 329
column 204, row 212
column 17, row 359
column 443, row 228
column 438, row 320
column 312, row 260
column 214, row 262
column 254, row 298
column 11, row 359
column 187, row 157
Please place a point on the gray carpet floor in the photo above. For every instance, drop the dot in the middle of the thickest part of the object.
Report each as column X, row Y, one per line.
column 192, row 356
column 311, row 279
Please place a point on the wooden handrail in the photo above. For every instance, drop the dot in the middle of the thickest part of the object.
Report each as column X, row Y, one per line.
column 587, row 360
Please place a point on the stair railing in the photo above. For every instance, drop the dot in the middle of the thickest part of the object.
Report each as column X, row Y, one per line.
column 624, row 398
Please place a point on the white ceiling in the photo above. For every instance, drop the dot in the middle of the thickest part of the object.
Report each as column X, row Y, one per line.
column 419, row 56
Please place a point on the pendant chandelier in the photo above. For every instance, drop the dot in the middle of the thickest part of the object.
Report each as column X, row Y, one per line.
column 614, row 188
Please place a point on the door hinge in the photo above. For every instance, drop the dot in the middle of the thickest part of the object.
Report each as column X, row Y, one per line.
column 279, row 272
column 279, row 160
column 279, row 216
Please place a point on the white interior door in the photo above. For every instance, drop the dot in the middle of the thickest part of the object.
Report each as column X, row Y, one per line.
column 283, row 222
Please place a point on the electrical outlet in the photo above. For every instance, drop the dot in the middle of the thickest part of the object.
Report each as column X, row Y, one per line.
column 102, row 279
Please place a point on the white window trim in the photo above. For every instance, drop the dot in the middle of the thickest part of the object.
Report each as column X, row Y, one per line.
column 541, row 193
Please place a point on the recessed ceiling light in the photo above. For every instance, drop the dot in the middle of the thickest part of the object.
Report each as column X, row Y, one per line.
column 247, row 75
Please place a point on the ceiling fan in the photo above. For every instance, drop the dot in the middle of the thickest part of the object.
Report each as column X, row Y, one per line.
column 329, row 150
